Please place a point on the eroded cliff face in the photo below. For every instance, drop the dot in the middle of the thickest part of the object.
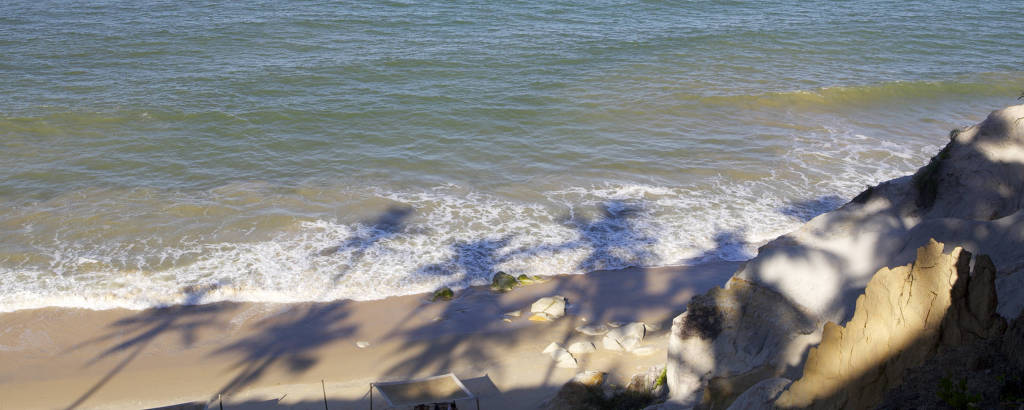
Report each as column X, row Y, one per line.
column 904, row 317
column 970, row 196
column 734, row 322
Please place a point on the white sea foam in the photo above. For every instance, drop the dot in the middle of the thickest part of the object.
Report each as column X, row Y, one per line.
column 450, row 235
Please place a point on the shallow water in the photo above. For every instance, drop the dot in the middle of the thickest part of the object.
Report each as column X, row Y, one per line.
column 185, row 152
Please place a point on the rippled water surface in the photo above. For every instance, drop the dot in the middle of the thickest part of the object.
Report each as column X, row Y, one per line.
column 181, row 152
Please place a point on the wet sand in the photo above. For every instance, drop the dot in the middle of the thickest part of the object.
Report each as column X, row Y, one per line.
column 257, row 355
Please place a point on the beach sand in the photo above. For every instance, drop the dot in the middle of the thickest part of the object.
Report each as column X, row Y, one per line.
column 259, row 355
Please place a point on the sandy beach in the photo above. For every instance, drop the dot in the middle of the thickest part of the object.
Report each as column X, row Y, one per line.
column 275, row 355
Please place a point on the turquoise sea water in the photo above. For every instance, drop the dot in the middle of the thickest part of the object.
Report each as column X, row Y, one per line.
column 164, row 152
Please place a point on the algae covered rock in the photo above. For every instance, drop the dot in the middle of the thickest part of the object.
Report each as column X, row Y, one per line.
column 503, row 282
column 444, row 294
column 649, row 382
column 525, row 279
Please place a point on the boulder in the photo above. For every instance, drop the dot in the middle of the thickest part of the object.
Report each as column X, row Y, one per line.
column 582, row 347
column 563, row 359
column 590, row 378
column 539, row 317
column 552, row 306
column 630, row 343
column 774, row 308
column 444, row 294
column 637, row 330
column 649, row 382
column 593, row 330
column 525, row 279
column 624, row 338
column 579, row 392
column 551, row 348
column 586, row 392
column 611, row 344
column 503, row 282
column 561, row 356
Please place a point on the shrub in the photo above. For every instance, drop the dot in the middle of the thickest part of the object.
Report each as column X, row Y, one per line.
column 957, row 396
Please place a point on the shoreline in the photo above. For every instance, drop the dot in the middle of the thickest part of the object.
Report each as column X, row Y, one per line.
column 255, row 353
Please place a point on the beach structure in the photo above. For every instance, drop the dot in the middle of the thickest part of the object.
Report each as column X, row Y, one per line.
column 446, row 388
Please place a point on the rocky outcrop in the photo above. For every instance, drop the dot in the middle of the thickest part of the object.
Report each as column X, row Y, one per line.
column 763, row 321
column 525, row 279
column 444, row 294
column 1013, row 342
column 503, row 282
column 579, row 392
column 732, row 322
column 904, row 316
column 649, row 382
column 976, row 375
column 588, row 391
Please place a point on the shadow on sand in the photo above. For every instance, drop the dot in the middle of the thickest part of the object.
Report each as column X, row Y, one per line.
column 134, row 334
column 288, row 339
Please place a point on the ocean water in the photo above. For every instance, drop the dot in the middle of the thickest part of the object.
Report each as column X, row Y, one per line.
column 169, row 152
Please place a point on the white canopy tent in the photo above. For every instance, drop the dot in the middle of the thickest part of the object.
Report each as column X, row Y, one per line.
column 445, row 388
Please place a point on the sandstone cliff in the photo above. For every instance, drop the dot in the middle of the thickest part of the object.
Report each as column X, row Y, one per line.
column 761, row 324
column 903, row 318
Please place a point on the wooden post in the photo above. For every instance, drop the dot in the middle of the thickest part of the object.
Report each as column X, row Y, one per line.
column 371, row 396
column 324, row 387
